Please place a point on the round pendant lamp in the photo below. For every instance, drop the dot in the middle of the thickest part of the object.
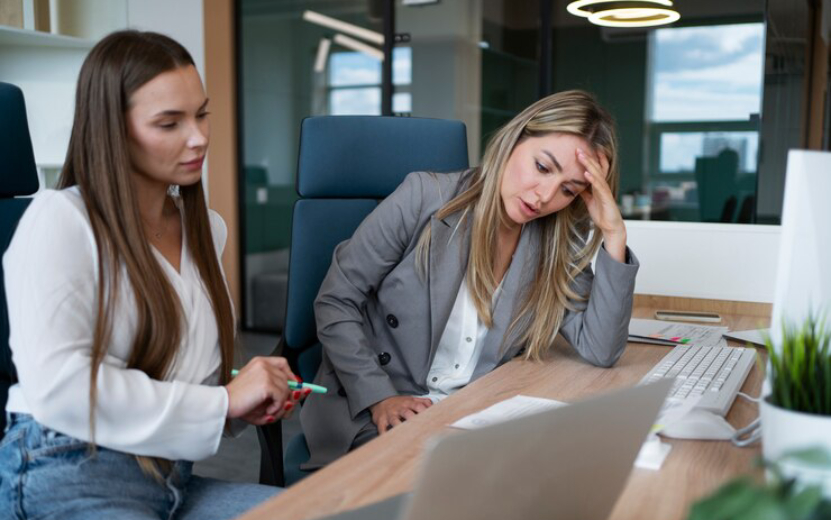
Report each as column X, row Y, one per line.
column 619, row 13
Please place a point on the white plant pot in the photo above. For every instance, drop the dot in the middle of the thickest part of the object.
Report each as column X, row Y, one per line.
column 786, row 431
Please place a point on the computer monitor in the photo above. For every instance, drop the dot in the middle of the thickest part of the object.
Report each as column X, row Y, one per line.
column 803, row 280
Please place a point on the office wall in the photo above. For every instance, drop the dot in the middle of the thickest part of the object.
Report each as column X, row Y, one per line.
column 182, row 20
column 713, row 261
column 47, row 77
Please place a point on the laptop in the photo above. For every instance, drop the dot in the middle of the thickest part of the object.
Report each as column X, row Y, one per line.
column 571, row 462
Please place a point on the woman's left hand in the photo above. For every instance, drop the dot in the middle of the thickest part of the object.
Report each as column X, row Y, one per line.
column 602, row 205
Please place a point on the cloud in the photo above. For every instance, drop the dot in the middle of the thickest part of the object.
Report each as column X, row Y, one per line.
column 693, row 47
column 709, row 73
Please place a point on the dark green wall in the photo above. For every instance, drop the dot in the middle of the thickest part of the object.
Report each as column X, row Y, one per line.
column 616, row 73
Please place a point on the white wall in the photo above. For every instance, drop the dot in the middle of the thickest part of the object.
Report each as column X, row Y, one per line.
column 47, row 77
column 713, row 261
column 182, row 20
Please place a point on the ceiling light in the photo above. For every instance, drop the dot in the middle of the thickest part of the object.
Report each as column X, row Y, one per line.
column 644, row 17
column 344, row 27
column 322, row 54
column 618, row 13
column 359, row 46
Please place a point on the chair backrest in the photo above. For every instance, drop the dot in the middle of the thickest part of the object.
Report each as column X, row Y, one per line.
column 347, row 164
column 18, row 176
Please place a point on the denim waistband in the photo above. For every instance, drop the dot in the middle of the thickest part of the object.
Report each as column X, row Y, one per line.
column 14, row 418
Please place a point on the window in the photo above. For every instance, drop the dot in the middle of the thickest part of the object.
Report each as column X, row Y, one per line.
column 354, row 82
column 705, row 96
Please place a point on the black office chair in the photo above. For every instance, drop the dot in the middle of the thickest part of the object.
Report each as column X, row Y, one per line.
column 347, row 164
column 18, row 176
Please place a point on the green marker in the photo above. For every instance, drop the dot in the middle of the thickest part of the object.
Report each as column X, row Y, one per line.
column 294, row 385
column 317, row 389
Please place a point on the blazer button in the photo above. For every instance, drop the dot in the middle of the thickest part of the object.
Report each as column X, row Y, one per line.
column 341, row 392
column 392, row 321
column 384, row 358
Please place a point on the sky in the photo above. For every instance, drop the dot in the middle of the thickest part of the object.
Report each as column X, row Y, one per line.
column 709, row 73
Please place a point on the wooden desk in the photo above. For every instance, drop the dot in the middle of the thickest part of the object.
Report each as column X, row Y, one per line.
column 388, row 465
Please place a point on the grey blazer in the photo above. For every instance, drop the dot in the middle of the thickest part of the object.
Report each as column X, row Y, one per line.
column 380, row 322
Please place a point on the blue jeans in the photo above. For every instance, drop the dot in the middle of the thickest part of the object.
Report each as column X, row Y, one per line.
column 47, row 475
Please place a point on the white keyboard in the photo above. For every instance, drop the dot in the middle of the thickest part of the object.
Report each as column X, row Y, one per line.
column 714, row 373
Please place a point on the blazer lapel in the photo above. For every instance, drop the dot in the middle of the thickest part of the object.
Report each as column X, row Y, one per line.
column 519, row 275
column 449, row 250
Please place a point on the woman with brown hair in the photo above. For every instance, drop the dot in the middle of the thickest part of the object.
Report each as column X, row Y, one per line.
column 121, row 325
column 453, row 275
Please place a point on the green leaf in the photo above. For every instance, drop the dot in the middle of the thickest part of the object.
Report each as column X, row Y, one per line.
column 766, row 507
column 800, row 368
column 728, row 502
column 801, row 505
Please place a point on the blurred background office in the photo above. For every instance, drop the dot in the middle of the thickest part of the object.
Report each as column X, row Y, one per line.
column 707, row 107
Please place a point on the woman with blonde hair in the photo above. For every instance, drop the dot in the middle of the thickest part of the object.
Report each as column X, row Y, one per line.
column 121, row 325
column 453, row 275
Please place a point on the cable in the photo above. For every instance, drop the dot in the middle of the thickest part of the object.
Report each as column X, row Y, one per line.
column 749, row 397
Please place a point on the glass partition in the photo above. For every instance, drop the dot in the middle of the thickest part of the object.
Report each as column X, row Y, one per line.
column 291, row 65
column 706, row 108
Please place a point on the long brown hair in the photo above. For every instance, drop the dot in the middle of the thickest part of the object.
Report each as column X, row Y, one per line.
column 98, row 162
column 566, row 246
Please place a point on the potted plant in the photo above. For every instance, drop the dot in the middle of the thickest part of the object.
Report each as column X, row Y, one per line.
column 796, row 415
column 745, row 498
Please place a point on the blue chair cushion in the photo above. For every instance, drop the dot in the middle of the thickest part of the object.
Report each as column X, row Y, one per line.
column 308, row 362
column 18, row 174
column 317, row 226
column 368, row 157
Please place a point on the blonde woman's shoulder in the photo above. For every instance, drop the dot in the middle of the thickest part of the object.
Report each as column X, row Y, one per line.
column 435, row 185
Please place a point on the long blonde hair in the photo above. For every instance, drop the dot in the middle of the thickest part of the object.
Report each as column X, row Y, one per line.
column 98, row 162
column 566, row 245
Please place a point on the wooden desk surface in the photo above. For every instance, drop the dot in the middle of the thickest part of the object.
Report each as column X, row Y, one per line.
column 388, row 465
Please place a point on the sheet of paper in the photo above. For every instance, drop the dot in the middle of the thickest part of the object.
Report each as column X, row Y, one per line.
column 513, row 408
column 651, row 341
column 684, row 333
column 754, row 336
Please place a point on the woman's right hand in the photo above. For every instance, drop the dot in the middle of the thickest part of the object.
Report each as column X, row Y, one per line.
column 392, row 411
column 260, row 393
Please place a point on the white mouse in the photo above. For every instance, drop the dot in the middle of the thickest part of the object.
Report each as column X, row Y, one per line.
column 699, row 424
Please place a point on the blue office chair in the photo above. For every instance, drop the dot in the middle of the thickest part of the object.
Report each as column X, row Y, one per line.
column 347, row 164
column 18, row 176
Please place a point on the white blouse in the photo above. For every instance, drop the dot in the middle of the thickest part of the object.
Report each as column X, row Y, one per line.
column 51, row 272
column 460, row 346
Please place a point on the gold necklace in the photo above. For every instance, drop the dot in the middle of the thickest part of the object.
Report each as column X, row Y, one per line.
column 157, row 233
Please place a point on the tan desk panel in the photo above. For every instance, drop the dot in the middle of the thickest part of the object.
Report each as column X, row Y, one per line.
column 388, row 465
